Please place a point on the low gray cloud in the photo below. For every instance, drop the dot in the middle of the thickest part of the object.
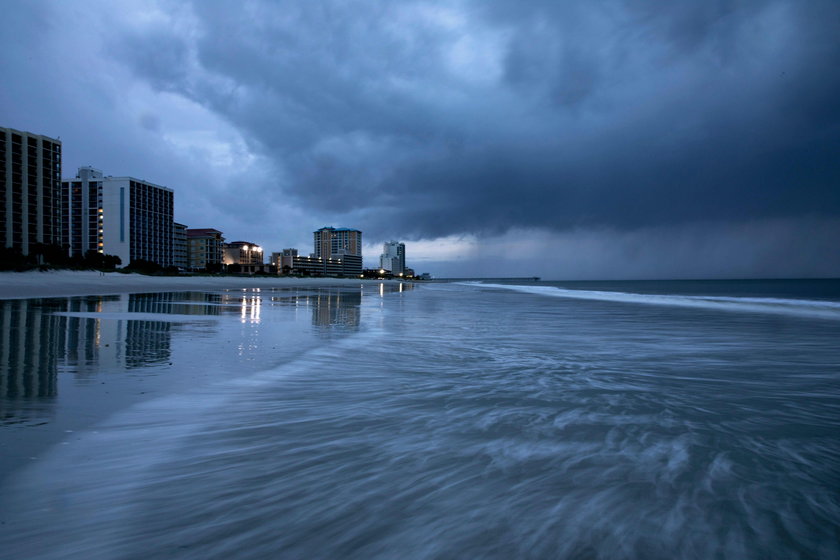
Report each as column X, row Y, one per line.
column 760, row 248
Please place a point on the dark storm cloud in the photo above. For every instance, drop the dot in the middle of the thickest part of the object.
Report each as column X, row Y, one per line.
column 165, row 65
column 483, row 116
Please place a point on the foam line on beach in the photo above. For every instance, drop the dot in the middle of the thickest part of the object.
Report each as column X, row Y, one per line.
column 795, row 307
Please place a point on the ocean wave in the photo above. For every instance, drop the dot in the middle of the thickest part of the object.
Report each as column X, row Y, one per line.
column 780, row 306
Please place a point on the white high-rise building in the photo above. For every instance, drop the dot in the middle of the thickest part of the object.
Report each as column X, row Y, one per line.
column 121, row 216
column 393, row 257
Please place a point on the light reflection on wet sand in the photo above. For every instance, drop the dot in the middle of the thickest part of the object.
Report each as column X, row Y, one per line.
column 101, row 353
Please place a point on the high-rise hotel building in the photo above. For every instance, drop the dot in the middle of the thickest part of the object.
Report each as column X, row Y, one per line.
column 83, row 218
column 30, row 189
column 334, row 243
column 122, row 216
column 343, row 244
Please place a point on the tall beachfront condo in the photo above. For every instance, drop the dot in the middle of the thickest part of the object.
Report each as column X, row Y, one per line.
column 393, row 257
column 180, row 257
column 335, row 242
column 205, row 249
column 123, row 216
column 30, row 190
column 344, row 244
column 82, row 212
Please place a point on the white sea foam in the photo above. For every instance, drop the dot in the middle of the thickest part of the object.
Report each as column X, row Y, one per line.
column 796, row 307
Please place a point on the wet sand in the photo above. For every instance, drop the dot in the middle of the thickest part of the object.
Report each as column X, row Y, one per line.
column 80, row 351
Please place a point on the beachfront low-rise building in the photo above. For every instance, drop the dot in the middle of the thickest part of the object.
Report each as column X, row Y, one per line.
column 243, row 256
column 290, row 262
column 276, row 260
column 285, row 261
column 205, row 249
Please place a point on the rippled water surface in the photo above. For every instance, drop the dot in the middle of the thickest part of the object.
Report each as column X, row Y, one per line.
column 444, row 421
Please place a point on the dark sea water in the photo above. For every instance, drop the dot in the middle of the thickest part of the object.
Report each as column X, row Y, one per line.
column 464, row 420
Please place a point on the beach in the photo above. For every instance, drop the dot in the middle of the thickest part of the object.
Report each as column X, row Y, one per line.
column 82, row 323
column 275, row 418
column 32, row 284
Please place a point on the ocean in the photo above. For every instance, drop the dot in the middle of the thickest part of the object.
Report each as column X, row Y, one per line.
column 503, row 419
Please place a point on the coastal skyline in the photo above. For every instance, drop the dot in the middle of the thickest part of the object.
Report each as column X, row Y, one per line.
column 564, row 141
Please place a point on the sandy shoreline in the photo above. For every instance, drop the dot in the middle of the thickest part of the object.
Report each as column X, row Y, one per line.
column 34, row 284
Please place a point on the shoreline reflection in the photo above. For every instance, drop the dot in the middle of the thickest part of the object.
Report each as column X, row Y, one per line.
column 84, row 337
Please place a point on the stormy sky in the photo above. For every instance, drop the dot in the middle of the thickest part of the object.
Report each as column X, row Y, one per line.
column 591, row 139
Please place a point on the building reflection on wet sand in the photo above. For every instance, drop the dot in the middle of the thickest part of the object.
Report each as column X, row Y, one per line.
column 40, row 338
column 37, row 341
column 28, row 360
column 336, row 308
column 93, row 344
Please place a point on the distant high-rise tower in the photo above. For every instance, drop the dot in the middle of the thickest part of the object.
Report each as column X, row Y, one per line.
column 393, row 257
column 30, row 190
column 121, row 216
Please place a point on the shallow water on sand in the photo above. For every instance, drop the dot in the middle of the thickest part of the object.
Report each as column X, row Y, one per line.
column 444, row 421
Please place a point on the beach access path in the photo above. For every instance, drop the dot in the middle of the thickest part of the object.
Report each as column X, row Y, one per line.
column 59, row 283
